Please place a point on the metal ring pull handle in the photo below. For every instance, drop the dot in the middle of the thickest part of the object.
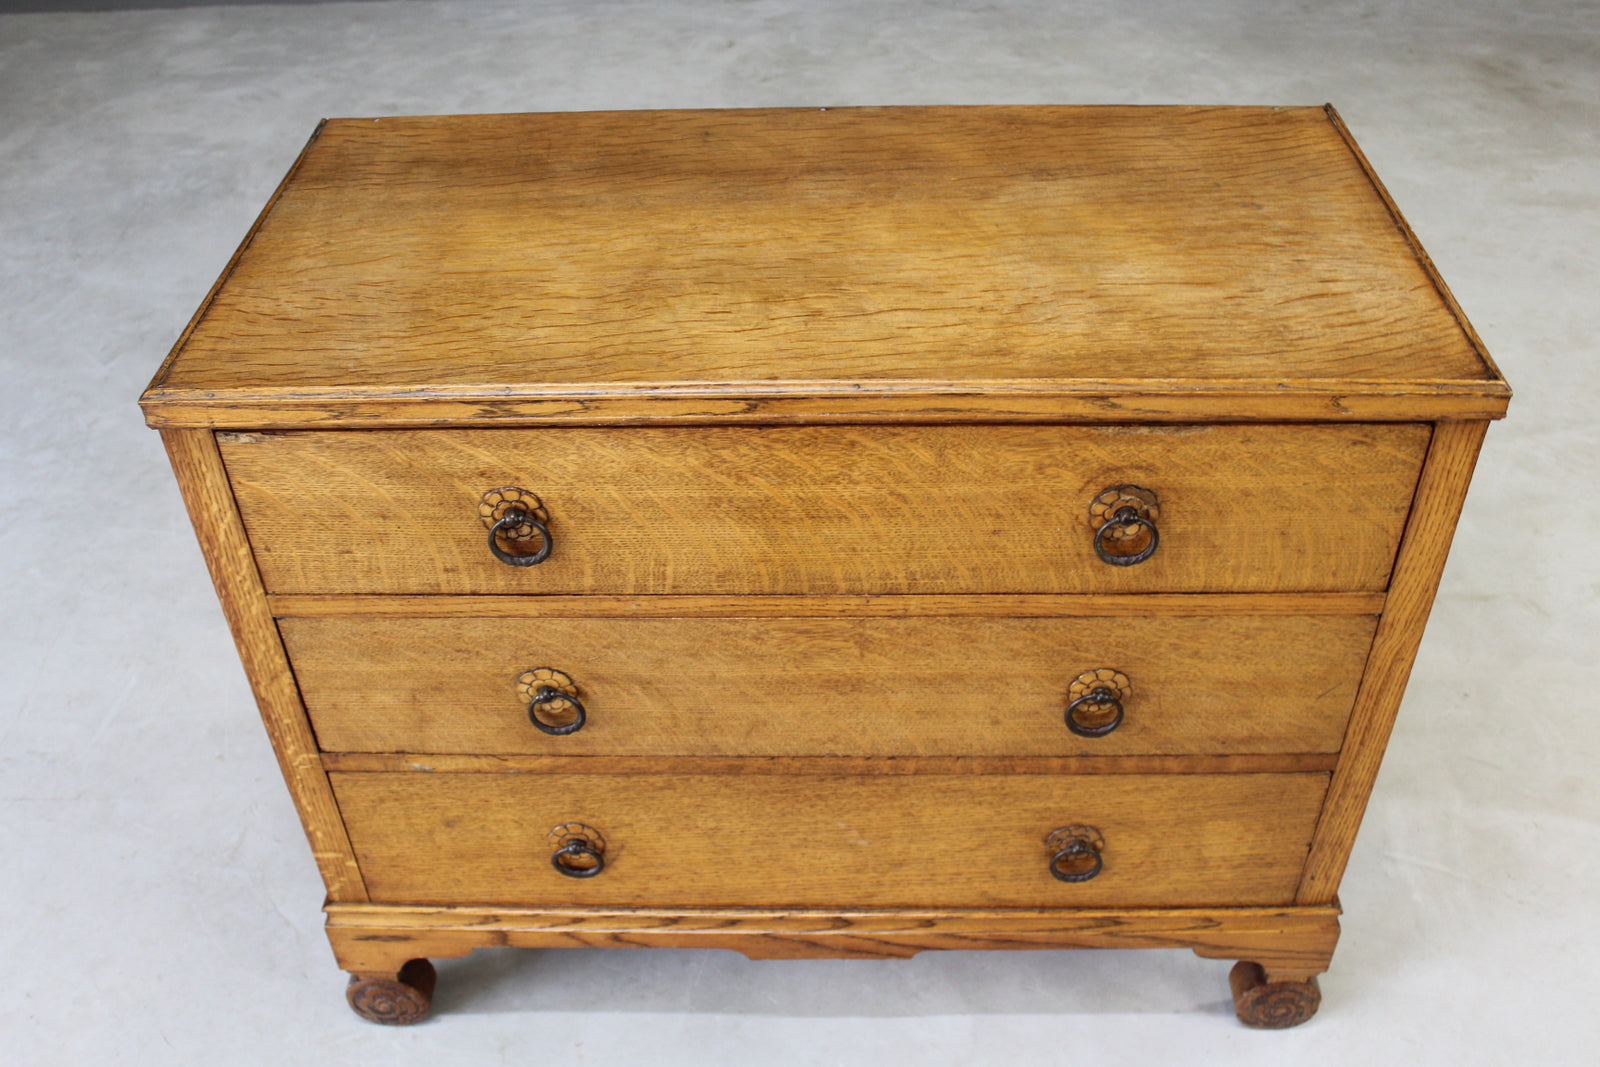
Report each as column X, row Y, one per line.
column 1095, row 699
column 1078, row 862
column 1091, row 695
column 513, row 518
column 579, row 850
column 1077, row 853
column 1125, row 517
column 576, row 859
column 1125, row 513
column 549, row 694
column 545, row 689
column 516, row 516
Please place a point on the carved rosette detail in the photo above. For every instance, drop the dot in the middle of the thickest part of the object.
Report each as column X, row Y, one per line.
column 398, row 1001
column 567, row 831
column 496, row 502
column 1110, row 501
column 1066, row 835
column 1100, row 678
column 529, row 682
column 1268, row 1005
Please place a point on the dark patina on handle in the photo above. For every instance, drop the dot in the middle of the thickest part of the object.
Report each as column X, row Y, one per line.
column 546, row 690
column 515, row 516
column 580, row 850
column 1124, row 516
column 1077, row 853
column 1092, row 693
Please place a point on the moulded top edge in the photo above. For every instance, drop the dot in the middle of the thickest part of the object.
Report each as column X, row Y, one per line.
column 1046, row 402
column 434, row 267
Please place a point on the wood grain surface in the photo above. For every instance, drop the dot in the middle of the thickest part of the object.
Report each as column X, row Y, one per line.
column 1111, row 401
column 817, row 401
column 847, row 841
column 484, row 763
column 930, row 252
column 1440, row 496
column 859, row 687
column 379, row 938
column 1020, row 606
column 203, row 482
column 820, row 510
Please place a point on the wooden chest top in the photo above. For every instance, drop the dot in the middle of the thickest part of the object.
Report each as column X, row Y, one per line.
column 919, row 263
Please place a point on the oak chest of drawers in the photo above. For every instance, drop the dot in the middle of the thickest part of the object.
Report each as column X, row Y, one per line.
column 829, row 532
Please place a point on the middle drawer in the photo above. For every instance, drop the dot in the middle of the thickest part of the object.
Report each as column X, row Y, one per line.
column 832, row 686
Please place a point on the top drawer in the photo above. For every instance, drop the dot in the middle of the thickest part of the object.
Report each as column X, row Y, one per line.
column 828, row 509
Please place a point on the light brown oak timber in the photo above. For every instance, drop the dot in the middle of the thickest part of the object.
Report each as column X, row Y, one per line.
column 222, row 542
column 1275, row 763
column 1105, row 605
column 1440, row 495
column 845, row 841
column 830, row 686
column 1298, row 957
column 851, row 248
column 378, row 938
column 798, row 415
column 914, row 403
column 1421, row 253
column 857, row 509
column 233, row 261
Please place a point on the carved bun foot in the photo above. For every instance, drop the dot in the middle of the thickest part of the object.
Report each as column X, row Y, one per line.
column 398, row 1001
column 1271, row 1005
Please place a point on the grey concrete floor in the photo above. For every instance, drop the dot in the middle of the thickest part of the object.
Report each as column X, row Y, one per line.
column 158, row 902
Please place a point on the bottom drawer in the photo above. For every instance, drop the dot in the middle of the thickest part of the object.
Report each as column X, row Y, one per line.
column 814, row 840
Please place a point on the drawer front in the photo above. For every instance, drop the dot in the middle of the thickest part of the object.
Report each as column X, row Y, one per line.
column 823, row 841
column 828, row 509
column 831, row 686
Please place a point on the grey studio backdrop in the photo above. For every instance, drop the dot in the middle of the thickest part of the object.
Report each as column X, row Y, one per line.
column 160, row 902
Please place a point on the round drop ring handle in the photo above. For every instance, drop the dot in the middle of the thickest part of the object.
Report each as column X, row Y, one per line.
column 513, row 518
column 1127, row 515
column 1097, row 697
column 1076, row 850
column 549, row 694
column 578, row 849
